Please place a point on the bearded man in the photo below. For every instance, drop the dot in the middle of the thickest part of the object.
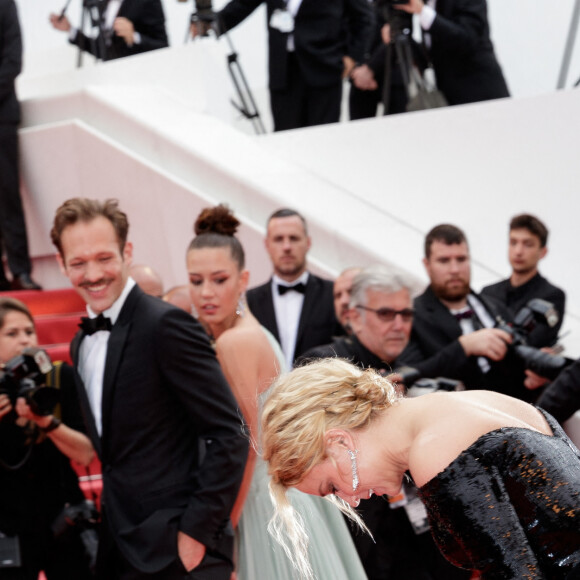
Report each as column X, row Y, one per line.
column 454, row 330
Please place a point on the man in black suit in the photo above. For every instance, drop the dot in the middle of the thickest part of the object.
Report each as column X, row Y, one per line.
column 307, row 41
column 12, row 223
column 158, row 411
column 456, row 35
column 528, row 238
column 128, row 26
column 454, row 330
column 296, row 306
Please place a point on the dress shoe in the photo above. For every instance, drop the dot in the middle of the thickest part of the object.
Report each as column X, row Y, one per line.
column 24, row 282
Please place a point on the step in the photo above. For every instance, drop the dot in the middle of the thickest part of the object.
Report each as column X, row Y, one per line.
column 43, row 302
column 58, row 352
column 57, row 329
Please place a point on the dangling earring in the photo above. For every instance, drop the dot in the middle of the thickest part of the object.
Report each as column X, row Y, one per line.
column 352, row 454
column 241, row 307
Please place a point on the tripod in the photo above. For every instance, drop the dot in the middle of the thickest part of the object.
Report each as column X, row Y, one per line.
column 246, row 105
column 92, row 11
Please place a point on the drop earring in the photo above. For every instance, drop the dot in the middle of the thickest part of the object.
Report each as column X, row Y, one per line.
column 355, row 481
column 241, row 307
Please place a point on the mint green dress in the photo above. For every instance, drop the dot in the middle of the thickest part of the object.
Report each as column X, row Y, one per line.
column 259, row 557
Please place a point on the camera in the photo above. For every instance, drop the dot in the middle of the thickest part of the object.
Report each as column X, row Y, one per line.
column 24, row 376
column 401, row 23
column 534, row 312
column 82, row 518
column 417, row 385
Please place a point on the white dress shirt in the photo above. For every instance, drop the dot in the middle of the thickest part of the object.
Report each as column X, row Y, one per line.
column 288, row 309
column 93, row 355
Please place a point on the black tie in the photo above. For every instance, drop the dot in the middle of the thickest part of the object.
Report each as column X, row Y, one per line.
column 92, row 325
column 465, row 315
column 300, row 287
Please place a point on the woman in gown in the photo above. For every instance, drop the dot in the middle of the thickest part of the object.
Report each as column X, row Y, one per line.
column 499, row 477
column 251, row 359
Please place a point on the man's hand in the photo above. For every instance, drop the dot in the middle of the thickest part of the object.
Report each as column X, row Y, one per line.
column 348, row 66
column 190, row 551
column 5, row 406
column 534, row 381
column 124, row 28
column 413, row 7
column 386, row 33
column 363, row 78
column 489, row 342
column 60, row 22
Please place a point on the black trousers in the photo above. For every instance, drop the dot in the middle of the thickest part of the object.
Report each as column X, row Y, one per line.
column 12, row 224
column 363, row 104
column 300, row 105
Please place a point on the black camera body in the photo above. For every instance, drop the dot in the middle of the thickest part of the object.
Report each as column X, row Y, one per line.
column 24, row 376
column 534, row 312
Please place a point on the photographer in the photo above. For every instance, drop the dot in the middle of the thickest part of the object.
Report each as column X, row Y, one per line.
column 455, row 331
column 456, row 35
column 36, row 478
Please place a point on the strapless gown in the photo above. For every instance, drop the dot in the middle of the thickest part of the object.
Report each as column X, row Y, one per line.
column 509, row 505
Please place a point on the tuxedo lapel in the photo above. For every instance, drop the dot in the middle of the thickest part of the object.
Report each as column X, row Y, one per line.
column 310, row 299
column 266, row 308
column 445, row 321
column 115, row 348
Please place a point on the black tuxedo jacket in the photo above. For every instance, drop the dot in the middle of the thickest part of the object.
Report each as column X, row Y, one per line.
column 318, row 323
column 516, row 298
column 164, row 396
column 319, row 37
column 462, row 53
column 10, row 62
column 434, row 349
column 149, row 21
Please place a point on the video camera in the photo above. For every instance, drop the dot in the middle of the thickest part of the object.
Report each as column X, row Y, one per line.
column 534, row 312
column 83, row 518
column 24, row 376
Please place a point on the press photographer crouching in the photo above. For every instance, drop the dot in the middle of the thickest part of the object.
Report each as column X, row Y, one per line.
column 40, row 431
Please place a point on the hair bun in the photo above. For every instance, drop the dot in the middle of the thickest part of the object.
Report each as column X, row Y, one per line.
column 216, row 220
column 375, row 389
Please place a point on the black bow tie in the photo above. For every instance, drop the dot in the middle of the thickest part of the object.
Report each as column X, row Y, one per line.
column 92, row 325
column 465, row 315
column 300, row 287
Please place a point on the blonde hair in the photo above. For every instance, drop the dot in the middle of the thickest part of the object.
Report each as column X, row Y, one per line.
column 303, row 405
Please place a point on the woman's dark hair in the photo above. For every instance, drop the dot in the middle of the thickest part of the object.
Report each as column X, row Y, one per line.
column 216, row 227
column 12, row 305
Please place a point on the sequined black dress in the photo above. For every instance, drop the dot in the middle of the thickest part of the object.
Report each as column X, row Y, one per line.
column 509, row 505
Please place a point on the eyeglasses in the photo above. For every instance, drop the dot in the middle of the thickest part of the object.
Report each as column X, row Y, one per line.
column 389, row 314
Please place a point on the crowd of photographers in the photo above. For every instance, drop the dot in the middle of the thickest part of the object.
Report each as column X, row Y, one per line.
column 314, row 46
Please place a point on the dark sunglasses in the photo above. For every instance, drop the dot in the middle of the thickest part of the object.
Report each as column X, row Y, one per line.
column 388, row 314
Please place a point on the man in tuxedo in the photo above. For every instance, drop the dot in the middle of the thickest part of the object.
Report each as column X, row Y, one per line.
column 528, row 238
column 456, row 36
column 127, row 27
column 12, row 222
column 296, row 306
column 158, row 411
column 306, row 40
column 454, row 331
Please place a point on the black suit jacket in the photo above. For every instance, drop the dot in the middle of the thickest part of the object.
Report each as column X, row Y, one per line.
column 149, row 21
column 319, row 37
column 318, row 323
column 462, row 53
column 10, row 62
column 434, row 349
column 516, row 298
column 163, row 396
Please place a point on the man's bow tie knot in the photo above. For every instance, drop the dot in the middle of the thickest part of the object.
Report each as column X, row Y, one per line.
column 300, row 288
column 465, row 315
column 92, row 325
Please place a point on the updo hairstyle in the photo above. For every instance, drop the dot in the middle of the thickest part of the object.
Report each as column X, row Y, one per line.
column 303, row 405
column 215, row 227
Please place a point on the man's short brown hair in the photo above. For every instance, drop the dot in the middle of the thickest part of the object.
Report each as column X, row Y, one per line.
column 526, row 221
column 81, row 209
column 446, row 233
